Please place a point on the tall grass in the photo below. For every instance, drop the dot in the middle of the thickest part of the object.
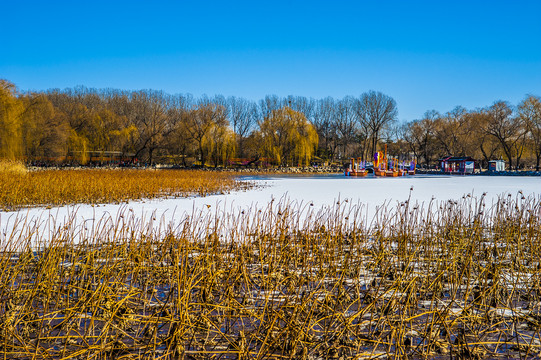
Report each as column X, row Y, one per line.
column 20, row 188
column 10, row 167
column 441, row 280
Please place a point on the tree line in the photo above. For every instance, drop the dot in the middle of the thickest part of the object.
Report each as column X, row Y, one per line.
column 499, row 131
column 153, row 126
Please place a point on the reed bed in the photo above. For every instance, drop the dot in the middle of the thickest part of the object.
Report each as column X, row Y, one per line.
column 456, row 279
column 19, row 188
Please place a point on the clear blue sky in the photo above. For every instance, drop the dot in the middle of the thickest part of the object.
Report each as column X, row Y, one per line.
column 425, row 54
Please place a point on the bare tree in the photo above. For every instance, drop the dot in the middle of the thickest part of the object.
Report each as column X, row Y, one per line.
column 269, row 104
column 301, row 104
column 449, row 129
column 178, row 141
column 487, row 145
column 346, row 123
column 243, row 115
column 420, row 135
column 149, row 116
column 363, row 132
column 324, row 121
column 508, row 129
column 530, row 112
column 376, row 110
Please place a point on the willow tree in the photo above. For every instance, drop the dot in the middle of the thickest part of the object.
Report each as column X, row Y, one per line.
column 45, row 130
column 220, row 143
column 11, row 109
column 200, row 121
column 288, row 137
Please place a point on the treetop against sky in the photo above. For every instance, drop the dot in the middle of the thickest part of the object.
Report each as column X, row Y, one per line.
column 425, row 54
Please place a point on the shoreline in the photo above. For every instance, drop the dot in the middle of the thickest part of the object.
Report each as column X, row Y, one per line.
column 279, row 170
column 484, row 173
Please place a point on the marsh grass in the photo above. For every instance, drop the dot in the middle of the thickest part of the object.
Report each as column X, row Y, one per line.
column 20, row 188
column 440, row 280
column 11, row 167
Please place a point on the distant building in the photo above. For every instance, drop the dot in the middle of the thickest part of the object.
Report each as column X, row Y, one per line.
column 496, row 165
column 457, row 165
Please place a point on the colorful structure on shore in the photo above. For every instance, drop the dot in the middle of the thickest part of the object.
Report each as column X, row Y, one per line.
column 384, row 166
column 357, row 167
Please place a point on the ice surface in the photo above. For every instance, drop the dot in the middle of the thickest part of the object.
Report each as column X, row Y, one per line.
column 319, row 190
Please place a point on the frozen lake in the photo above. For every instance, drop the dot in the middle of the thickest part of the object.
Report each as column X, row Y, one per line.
column 319, row 191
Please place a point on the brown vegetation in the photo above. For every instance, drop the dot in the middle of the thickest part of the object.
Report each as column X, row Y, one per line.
column 454, row 279
column 21, row 188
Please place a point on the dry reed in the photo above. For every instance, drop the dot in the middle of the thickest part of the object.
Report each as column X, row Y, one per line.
column 441, row 280
column 11, row 167
column 59, row 187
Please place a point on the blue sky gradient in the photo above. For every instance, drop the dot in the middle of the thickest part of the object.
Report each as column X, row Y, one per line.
column 425, row 54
